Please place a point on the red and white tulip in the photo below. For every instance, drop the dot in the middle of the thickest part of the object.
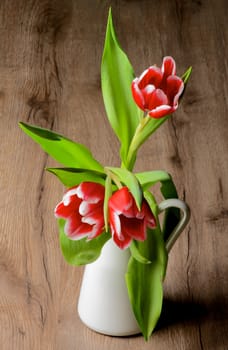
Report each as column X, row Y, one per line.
column 82, row 208
column 157, row 90
column 126, row 221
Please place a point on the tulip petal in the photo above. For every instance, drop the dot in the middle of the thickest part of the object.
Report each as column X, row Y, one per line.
column 168, row 66
column 148, row 93
column 64, row 211
column 97, row 230
column 61, row 211
column 122, row 244
column 90, row 191
column 87, row 209
column 74, row 227
column 143, row 80
column 174, row 88
column 157, row 98
column 94, row 217
column 150, row 219
column 151, row 76
column 115, row 223
column 126, row 221
column 151, row 222
column 82, row 208
column 133, row 227
column 70, row 193
column 157, row 90
column 121, row 201
column 137, row 94
column 148, row 89
column 161, row 111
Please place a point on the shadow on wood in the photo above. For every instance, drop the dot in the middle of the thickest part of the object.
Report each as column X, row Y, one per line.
column 178, row 312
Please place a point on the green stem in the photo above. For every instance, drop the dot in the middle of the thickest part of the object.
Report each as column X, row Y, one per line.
column 135, row 143
column 114, row 178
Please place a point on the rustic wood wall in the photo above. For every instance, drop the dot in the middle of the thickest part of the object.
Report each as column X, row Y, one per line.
column 50, row 53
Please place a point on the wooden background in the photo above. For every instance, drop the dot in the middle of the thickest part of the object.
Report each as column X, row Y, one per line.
column 50, row 53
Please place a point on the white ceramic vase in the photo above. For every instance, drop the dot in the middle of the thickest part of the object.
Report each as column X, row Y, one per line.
column 103, row 302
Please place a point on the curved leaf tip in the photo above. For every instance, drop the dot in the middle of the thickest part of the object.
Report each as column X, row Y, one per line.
column 116, row 77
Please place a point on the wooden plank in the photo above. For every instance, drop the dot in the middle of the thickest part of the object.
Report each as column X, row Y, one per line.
column 50, row 53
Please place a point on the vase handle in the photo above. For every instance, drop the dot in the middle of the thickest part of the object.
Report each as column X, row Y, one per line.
column 176, row 203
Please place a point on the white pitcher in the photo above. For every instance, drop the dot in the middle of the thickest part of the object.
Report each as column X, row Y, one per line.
column 103, row 303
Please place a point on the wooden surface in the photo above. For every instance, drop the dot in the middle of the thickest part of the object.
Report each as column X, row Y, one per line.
column 50, row 53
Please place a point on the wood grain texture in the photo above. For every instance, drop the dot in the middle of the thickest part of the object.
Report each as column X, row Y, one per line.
column 50, row 53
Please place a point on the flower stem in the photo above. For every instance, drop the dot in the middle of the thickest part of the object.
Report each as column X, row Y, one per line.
column 114, row 178
column 134, row 145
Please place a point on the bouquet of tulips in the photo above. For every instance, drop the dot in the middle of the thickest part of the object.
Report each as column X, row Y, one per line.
column 104, row 202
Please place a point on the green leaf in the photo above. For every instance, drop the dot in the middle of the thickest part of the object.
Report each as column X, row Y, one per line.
column 135, row 253
column 145, row 294
column 73, row 176
column 185, row 77
column 168, row 190
column 144, row 281
column 81, row 252
column 152, row 204
column 172, row 215
column 149, row 178
column 116, row 78
column 65, row 151
column 130, row 180
column 108, row 193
